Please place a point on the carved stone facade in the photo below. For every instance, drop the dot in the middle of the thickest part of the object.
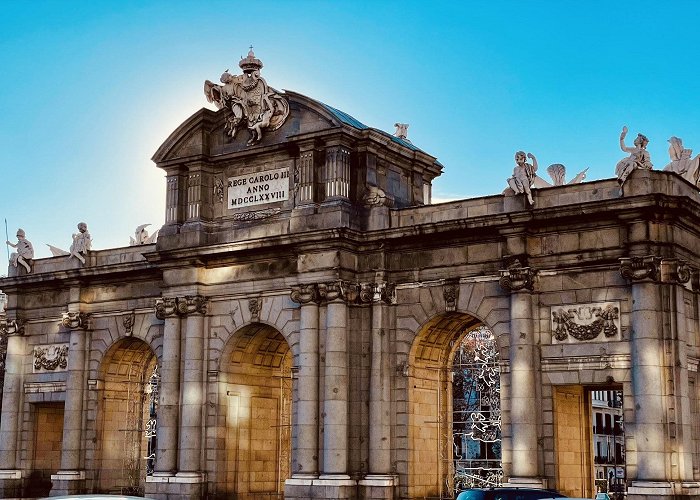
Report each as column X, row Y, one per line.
column 303, row 345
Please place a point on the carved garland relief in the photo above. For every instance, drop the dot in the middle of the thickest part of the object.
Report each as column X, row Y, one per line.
column 586, row 322
column 50, row 358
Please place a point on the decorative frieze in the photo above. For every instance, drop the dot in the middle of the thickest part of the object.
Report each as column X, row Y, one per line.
column 50, row 358
column 74, row 320
column 180, row 306
column 586, row 322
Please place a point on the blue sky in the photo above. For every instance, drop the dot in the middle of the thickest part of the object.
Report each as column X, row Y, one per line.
column 89, row 90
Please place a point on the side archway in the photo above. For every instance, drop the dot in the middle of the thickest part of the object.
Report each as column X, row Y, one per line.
column 125, row 403
column 256, row 399
column 454, row 426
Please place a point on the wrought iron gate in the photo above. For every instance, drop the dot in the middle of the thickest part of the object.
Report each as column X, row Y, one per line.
column 476, row 413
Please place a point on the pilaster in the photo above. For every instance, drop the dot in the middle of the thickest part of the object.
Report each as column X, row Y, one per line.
column 10, row 476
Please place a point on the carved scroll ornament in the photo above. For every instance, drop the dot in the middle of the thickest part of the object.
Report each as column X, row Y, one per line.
column 304, row 294
column 585, row 322
column 517, row 278
column 639, row 268
column 74, row 320
column 180, row 306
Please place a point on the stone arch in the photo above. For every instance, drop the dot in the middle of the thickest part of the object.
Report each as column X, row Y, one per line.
column 123, row 400
column 427, row 336
column 255, row 413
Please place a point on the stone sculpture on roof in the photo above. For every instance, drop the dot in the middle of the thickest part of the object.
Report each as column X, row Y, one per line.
column 681, row 163
column 82, row 242
column 557, row 172
column 248, row 100
column 523, row 175
column 639, row 157
column 141, row 236
column 24, row 253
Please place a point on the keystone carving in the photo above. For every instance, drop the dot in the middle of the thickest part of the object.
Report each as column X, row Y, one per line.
column 450, row 292
column 74, row 320
column 517, row 278
column 51, row 358
column 128, row 322
column 254, row 306
column 639, row 268
column 180, row 306
column 585, row 322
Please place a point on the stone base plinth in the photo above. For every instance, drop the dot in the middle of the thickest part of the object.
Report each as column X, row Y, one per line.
column 180, row 486
column 526, row 482
column 378, row 486
column 11, row 484
column 325, row 487
column 648, row 490
column 68, row 482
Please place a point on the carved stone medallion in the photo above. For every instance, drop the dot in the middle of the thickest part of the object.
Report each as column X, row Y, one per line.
column 50, row 358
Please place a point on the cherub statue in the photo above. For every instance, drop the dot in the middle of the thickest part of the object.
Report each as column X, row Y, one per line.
column 24, row 253
column 681, row 163
column 638, row 158
column 82, row 241
column 523, row 175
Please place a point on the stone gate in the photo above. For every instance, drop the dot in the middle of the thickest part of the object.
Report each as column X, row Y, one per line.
column 293, row 331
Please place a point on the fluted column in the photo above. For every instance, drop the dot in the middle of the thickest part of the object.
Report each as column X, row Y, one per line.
column 11, row 395
column 306, row 451
column 519, row 281
column 169, row 392
column 195, row 308
column 335, row 390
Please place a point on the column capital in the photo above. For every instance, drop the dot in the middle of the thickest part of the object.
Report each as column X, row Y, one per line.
column 167, row 307
column 10, row 326
column 640, row 268
column 192, row 304
column 74, row 320
column 336, row 290
column 305, row 294
column 517, row 278
column 377, row 292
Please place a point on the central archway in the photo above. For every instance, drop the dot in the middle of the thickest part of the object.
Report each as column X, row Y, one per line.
column 454, row 407
column 256, row 370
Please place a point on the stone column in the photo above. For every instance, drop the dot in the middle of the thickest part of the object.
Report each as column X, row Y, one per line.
column 192, row 386
column 70, row 479
column 10, row 477
column 380, row 476
column 335, row 390
column 523, row 414
column 648, row 378
column 306, row 453
column 169, row 392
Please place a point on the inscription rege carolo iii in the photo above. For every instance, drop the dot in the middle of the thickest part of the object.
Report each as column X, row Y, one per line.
column 258, row 188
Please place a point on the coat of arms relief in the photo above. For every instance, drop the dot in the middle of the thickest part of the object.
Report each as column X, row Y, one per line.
column 248, row 100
